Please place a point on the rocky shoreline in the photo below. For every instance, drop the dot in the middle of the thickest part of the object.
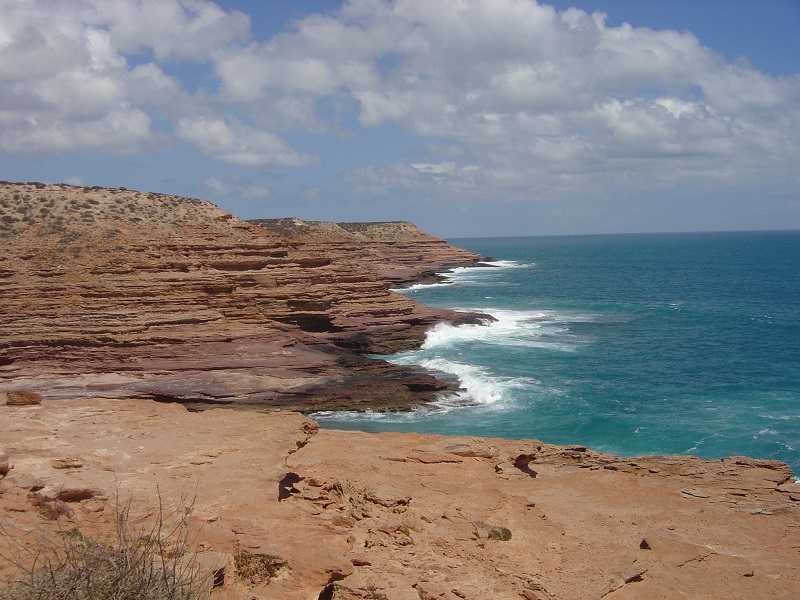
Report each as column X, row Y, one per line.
column 122, row 309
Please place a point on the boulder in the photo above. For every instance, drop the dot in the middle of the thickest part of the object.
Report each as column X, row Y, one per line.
column 67, row 462
column 22, row 398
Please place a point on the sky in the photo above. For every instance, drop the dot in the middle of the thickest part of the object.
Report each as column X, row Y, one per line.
column 470, row 118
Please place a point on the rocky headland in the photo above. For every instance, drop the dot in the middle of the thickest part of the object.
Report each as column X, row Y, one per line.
column 116, row 293
column 121, row 309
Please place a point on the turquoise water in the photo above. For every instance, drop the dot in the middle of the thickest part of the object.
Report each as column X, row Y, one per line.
column 630, row 344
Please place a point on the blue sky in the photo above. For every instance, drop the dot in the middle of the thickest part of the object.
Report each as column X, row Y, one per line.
column 470, row 118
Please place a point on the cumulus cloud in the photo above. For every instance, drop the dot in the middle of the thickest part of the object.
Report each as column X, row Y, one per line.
column 91, row 75
column 192, row 30
column 514, row 95
column 521, row 85
column 532, row 95
column 237, row 143
column 62, row 86
column 235, row 185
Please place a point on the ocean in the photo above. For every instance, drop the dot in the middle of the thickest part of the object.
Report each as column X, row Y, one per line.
column 640, row 344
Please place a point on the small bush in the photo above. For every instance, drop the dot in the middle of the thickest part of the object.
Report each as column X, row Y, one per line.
column 147, row 564
column 257, row 567
column 52, row 509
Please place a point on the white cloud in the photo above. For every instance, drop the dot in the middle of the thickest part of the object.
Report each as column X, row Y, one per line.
column 237, row 143
column 171, row 30
column 90, row 75
column 128, row 127
column 516, row 83
column 235, row 186
column 435, row 168
column 216, row 185
column 521, row 100
column 522, row 86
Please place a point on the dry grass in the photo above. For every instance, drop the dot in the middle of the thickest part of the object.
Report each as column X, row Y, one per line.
column 59, row 207
column 152, row 563
column 257, row 567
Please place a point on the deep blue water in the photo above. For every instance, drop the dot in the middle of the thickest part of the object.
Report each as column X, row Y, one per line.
column 631, row 344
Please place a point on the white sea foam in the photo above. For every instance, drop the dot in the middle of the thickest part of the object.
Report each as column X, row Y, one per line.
column 530, row 329
column 344, row 416
column 467, row 275
column 479, row 385
column 507, row 264
column 485, row 269
column 779, row 417
column 421, row 286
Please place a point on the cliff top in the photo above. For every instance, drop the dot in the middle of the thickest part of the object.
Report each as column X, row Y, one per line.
column 357, row 516
column 386, row 231
column 62, row 207
column 54, row 208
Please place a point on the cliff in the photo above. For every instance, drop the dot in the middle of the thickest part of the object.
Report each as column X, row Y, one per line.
column 125, row 294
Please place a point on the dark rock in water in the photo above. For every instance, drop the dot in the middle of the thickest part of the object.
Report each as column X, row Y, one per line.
column 424, row 383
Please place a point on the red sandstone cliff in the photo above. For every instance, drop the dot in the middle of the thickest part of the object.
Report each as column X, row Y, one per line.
column 119, row 293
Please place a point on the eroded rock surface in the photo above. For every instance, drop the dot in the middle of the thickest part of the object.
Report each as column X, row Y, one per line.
column 112, row 292
column 348, row 515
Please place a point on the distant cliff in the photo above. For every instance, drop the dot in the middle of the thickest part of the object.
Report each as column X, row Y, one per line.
column 379, row 231
column 113, row 292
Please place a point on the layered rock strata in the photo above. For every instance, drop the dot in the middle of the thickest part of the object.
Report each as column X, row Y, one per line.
column 347, row 515
column 119, row 293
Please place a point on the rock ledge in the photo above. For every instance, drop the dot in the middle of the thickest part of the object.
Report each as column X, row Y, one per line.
column 348, row 515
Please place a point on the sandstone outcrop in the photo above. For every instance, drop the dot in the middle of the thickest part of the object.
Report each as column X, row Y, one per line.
column 283, row 510
column 112, row 292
